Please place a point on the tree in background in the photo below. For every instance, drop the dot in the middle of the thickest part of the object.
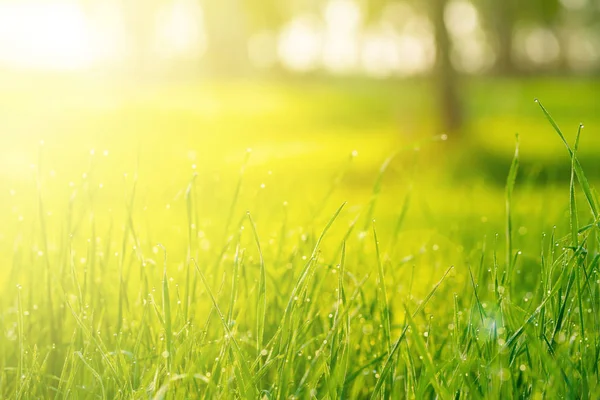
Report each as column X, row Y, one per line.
column 446, row 79
column 138, row 16
column 229, row 25
column 225, row 22
column 500, row 16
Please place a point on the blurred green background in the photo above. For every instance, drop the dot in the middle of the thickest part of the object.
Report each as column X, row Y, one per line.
column 99, row 97
column 301, row 78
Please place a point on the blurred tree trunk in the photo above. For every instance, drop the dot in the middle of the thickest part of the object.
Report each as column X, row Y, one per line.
column 503, row 20
column 225, row 28
column 449, row 104
column 140, row 18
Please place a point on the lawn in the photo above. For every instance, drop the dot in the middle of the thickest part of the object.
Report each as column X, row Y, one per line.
column 297, row 239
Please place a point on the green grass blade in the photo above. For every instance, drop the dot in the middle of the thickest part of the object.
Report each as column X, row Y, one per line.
column 166, row 303
column 432, row 372
column 387, row 368
column 510, row 184
column 261, row 301
column 246, row 385
column 585, row 185
column 384, row 307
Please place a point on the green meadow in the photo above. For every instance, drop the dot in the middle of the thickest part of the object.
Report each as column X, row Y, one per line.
column 305, row 238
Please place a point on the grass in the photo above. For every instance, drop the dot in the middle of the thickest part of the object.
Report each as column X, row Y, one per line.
column 256, row 277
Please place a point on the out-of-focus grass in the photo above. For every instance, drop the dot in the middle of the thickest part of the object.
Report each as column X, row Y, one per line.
column 302, row 135
column 282, row 121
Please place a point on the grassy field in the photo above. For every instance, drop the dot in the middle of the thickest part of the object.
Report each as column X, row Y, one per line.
column 297, row 240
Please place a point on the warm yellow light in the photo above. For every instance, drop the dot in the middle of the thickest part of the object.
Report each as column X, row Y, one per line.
column 45, row 35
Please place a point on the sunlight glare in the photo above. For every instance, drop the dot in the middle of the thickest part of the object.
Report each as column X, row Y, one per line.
column 461, row 18
column 300, row 43
column 179, row 29
column 340, row 48
column 36, row 34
